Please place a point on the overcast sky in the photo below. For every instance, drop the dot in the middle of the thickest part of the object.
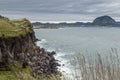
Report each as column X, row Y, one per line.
column 60, row 10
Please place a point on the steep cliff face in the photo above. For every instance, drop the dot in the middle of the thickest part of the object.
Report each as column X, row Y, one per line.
column 16, row 39
column 15, row 48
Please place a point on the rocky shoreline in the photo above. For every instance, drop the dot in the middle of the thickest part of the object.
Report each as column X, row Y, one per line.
column 24, row 50
column 43, row 62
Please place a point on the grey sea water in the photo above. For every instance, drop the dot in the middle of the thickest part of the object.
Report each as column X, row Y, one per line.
column 69, row 42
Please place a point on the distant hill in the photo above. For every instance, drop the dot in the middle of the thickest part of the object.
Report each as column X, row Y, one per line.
column 104, row 21
column 99, row 21
column 60, row 25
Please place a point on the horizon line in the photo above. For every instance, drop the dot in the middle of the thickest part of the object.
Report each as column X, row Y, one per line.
column 60, row 21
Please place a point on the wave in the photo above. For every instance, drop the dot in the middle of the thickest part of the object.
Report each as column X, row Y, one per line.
column 65, row 67
column 41, row 42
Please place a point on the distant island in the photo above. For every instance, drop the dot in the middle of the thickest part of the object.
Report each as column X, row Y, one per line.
column 106, row 21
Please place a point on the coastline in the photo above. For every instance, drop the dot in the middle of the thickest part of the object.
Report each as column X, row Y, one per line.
column 21, row 49
column 74, row 27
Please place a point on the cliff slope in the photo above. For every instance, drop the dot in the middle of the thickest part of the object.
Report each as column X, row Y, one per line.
column 16, row 38
column 17, row 43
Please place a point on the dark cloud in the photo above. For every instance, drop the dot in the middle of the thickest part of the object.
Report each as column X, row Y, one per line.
column 60, row 9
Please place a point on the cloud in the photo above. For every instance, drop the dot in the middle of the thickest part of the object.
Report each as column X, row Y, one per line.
column 89, row 8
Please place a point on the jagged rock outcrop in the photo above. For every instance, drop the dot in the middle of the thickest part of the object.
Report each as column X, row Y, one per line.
column 15, row 48
column 104, row 21
column 43, row 62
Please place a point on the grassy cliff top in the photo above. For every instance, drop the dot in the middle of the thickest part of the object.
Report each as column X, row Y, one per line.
column 14, row 28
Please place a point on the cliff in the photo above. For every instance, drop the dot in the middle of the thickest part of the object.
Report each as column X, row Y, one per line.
column 17, row 43
column 16, row 38
column 15, row 48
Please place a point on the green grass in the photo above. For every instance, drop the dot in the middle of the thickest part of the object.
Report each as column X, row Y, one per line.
column 16, row 72
column 14, row 28
column 9, row 75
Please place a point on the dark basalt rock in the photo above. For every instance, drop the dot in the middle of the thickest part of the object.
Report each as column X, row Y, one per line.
column 24, row 50
column 43, row 62
column 104, row 21
column 15, row 49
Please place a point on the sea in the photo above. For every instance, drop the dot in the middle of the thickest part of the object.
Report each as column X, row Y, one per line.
column 76, row 41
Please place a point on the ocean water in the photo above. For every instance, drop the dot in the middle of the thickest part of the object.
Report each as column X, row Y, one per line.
column 69, row 42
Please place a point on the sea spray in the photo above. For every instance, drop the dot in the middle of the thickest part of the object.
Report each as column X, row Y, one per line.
column 66, row 66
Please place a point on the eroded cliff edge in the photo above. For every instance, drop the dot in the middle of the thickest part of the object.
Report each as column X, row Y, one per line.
column 17, row 43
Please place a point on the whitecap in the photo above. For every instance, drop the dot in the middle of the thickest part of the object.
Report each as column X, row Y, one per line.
column 42, row 41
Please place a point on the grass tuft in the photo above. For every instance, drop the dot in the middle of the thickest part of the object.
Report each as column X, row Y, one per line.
column 14, row 28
